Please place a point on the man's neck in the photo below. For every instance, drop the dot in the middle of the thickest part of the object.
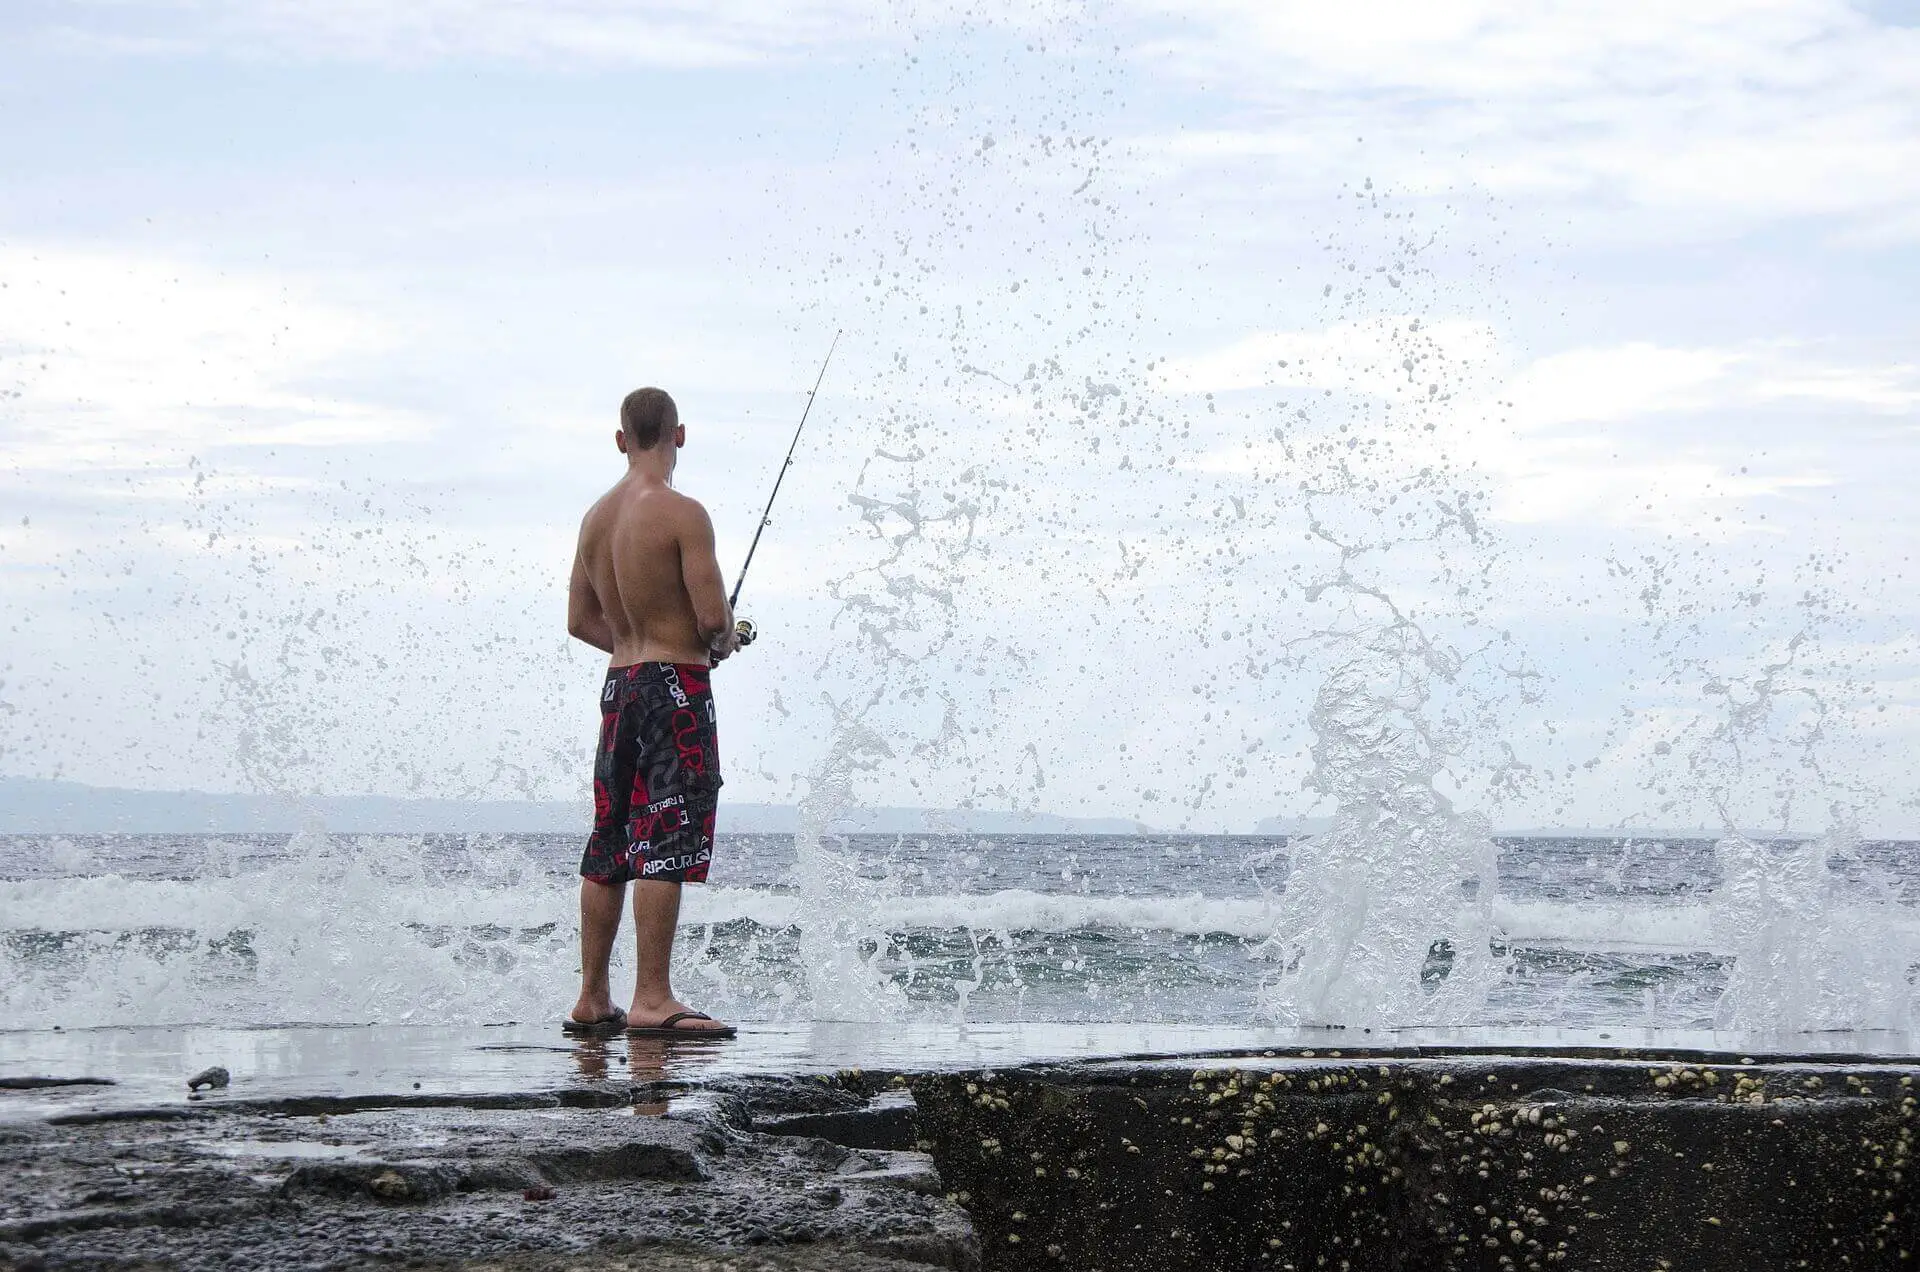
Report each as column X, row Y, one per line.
column 651, row 465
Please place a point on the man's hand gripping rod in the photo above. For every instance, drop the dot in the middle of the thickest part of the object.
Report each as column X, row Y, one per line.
column 743, row 628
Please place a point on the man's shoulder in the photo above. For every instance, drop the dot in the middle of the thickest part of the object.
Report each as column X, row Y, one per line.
column 599, row 510
column 684, row 506
column 668, row 510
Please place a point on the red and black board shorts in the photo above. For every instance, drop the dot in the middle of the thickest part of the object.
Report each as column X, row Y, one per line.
column 656, row 777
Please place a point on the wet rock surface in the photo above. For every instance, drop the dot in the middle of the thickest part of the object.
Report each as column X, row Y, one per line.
column 1394, row 1161
column 825, row 1257
column 42, row 1083
column 1386, row 1162
column 555, row 1182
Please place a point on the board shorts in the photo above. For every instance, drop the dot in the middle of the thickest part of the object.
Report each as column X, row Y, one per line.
column 656, row 776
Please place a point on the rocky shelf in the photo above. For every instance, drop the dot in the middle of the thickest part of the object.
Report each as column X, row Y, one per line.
column 1296, row 1160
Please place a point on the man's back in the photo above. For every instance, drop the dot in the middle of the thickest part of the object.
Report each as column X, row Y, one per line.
column 646, row 554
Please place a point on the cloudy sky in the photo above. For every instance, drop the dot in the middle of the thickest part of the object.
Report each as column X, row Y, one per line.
column 1539, row 384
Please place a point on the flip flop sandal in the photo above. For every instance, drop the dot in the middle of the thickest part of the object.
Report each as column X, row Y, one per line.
column 665, row 1029
column 605, row 1027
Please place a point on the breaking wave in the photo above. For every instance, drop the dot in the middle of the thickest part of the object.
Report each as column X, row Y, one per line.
column 391, row 930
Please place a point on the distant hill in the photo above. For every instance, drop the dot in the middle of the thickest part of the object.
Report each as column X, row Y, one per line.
column 1292, row 825
column 31, row 806
column 1320, row 825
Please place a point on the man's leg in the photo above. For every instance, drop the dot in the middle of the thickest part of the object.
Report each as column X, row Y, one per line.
column 599, row 923
column 656, row 916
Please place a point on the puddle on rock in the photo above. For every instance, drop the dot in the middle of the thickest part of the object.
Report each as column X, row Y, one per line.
column 304, row 1149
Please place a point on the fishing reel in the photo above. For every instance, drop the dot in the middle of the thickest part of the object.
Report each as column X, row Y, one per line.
column 744, row 632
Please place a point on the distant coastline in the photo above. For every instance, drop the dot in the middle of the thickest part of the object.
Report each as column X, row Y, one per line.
column 31, row 806
column 37, row 806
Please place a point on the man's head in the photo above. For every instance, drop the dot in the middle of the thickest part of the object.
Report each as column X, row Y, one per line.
column 649, row 421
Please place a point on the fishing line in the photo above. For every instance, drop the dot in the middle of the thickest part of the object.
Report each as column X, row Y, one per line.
column 743, row 627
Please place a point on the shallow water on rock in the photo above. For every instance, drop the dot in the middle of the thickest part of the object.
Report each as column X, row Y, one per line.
column 149, row 1066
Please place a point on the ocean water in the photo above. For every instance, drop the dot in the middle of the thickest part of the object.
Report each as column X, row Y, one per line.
column 1580, row 933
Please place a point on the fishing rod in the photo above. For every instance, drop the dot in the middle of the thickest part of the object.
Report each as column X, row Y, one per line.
column 743, row 628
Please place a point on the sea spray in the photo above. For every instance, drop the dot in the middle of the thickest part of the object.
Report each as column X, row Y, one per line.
column 1812, row 949
column 899, row 611
column 1767, row 714
column 1206, row 508
column 1387, row 916
column 331, row 930
column 844, row 922
column 450, row 931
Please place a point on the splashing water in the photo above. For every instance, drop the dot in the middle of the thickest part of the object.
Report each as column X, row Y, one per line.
column 1812, row 949
column 336, row 931
column 843, row 919
column 1818, row 937
column 900, row 607
column 1387, row 916
column 473, row 930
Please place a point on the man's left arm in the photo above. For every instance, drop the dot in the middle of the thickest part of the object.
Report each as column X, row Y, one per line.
column 706, row 588
column 585, row 619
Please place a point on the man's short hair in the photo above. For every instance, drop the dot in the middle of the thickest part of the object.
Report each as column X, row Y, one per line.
column 646, row 416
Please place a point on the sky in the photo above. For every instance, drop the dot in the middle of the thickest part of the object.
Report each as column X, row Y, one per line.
column 1530, row 389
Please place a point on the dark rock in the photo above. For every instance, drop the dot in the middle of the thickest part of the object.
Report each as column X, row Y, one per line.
column 380, row 1181
column 336, row 1105
column 620, row 1161
column 1395, row 1163
column 826, row 1256
column 817, row 1093
column 215, row 1078
column 391, row 1185
column 914, row 1172
column 97, row 1116
column 37, row 1084
column 1383, row 1162
column 384, row 1181
column 885, row 1121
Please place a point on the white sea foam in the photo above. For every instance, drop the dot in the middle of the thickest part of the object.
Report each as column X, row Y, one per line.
column 381, row 930
column 329, row 935
column 1597, row 925
column 217, row 905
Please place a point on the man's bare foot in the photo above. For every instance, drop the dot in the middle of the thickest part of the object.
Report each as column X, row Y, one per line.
column 653, row 1014
column 590, row 1011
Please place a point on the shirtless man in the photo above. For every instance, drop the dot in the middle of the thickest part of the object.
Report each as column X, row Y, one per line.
column 647, row 589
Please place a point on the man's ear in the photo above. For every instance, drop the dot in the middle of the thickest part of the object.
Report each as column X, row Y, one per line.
column 620, row 439
column 679, row 436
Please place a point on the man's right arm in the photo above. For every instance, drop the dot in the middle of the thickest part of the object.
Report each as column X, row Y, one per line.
column 706, row 589
column 585, row 619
